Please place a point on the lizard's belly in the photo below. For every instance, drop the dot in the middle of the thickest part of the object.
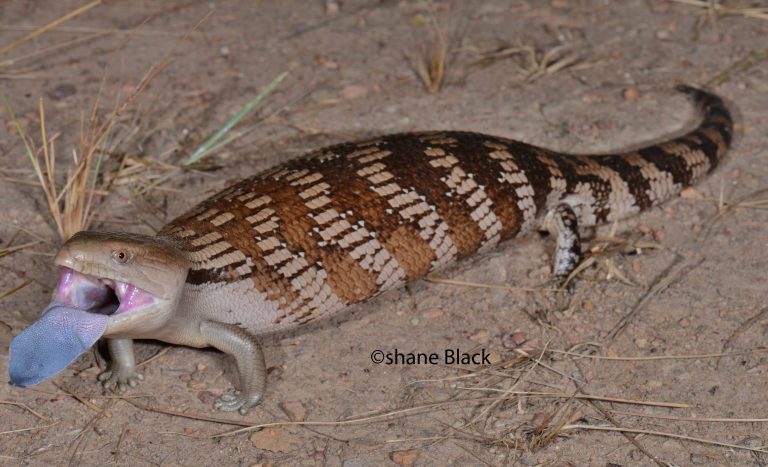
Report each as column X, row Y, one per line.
column 238, row 303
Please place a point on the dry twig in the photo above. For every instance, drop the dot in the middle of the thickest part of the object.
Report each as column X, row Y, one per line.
column 432, row 64
column 49, row 26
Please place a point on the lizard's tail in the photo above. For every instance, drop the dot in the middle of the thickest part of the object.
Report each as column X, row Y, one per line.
column 716, row 128
column 651, row 174
column 688, row 158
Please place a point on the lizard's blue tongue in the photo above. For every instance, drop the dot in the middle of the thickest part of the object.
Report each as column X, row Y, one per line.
column 54, row 341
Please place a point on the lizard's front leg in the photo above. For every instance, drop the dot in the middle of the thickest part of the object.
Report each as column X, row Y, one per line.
column 244, row 346
column 121, row 371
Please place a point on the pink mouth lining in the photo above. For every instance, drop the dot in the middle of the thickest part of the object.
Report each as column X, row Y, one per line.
column 99, row 295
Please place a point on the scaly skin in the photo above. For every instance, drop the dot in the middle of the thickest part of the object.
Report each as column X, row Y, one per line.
column 347, row 222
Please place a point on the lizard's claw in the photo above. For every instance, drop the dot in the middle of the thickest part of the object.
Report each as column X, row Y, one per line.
column 237, row 400
column 118, row 379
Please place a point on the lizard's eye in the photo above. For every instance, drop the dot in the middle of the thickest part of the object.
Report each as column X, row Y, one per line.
column 122, row 256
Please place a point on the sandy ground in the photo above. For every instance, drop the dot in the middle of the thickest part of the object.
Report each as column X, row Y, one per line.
column 352, row 75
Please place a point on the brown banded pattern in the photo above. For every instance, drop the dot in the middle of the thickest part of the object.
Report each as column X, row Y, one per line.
column 349, row 221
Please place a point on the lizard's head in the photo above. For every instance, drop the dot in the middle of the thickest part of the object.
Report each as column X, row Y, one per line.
column 111, row 284
column 134, row 279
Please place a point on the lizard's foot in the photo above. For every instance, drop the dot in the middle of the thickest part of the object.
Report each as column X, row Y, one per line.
column 562, row 223
column 119, row 379
column 237, row 400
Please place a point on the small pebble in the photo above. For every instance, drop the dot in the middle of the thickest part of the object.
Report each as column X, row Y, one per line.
column 329, row 64
column 275, row 439
column 432, row 313
column 494, row 357
column 405, row 458
column 331, row 7
column 294, row 410
column 691, row 193
column 481, row 337
column 631, row 94
column 684, row 323
column 513, row 340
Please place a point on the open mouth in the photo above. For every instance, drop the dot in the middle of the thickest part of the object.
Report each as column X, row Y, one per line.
column 99, row 295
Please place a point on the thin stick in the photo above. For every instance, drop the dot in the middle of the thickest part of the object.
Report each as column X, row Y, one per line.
column 678, row 418
column 744, row 326
column 154, row 357
column 104, row 31
column 204, row 418
column 658, row 357
column 37, row 53
column 50, row 26
column 359, row 419
column 101, row 411
column 632, row 439
column 12, row 249
column 670, row 275
column 27, row 408
column 22, row 430
column 440, row 280
column 672, row 405
column 662, row 434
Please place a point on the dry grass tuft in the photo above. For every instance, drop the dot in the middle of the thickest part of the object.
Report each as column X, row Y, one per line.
column 432, row 63
column 534, row 63
column 724, row 208
column 557, row 58
column 143, row 175
column 71, row 203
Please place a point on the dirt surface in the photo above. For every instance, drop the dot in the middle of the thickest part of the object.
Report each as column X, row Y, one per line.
column 352, row 74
